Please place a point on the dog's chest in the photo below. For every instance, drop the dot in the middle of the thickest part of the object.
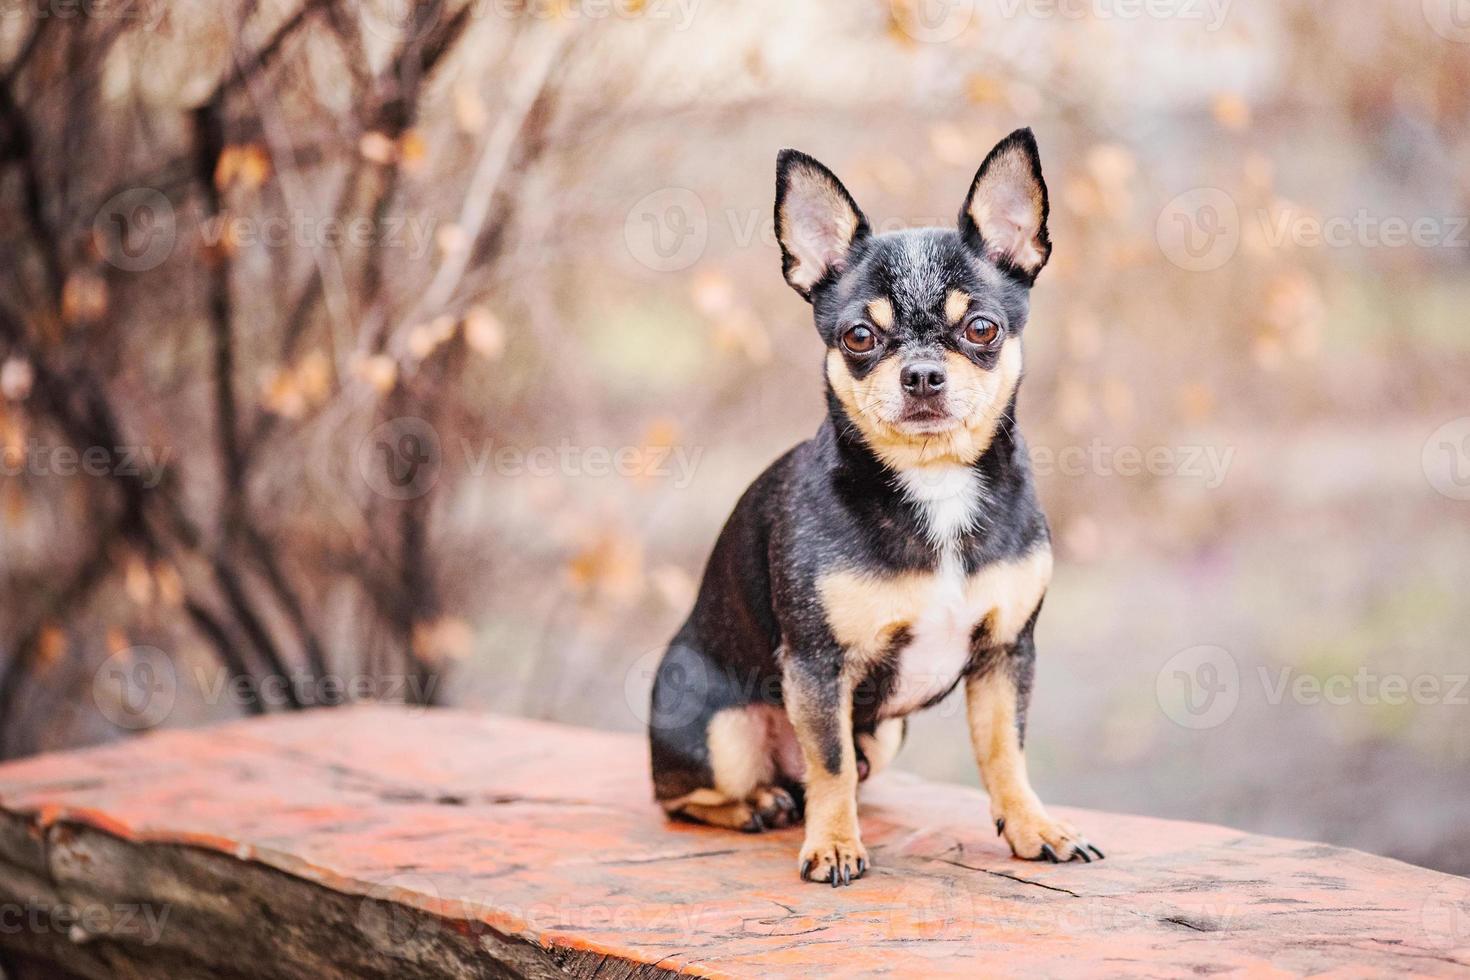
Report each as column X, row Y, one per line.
column 940, row 631
column 927, row 623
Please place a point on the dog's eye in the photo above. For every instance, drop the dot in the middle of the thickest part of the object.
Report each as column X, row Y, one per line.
column 859, row 339
column 981, row 332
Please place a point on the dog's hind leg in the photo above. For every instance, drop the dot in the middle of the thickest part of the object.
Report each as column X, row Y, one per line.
column 741, row 792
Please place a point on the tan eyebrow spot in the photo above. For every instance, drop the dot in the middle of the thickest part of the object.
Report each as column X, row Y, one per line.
column 881, row 310
column 955, row 305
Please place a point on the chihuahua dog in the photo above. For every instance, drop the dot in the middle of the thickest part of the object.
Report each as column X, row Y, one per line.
column 897, row 553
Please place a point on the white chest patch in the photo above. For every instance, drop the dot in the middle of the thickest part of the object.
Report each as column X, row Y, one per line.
column 940, row 647
column 948, row 497
column 939, row 610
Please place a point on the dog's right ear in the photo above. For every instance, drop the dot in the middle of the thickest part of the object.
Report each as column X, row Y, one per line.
column 817, row 221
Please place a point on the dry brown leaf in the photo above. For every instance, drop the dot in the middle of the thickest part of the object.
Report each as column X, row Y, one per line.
column 713, row 292
column 50, row 645
column 137, row 580
column 610, row 566
column 483, row 333
column 378, row 370
column 447, row 638
column 412, row 150
column 84, row 297
column 469, row 109
column 16, row 378
column 1232, row 112
column 376, row 147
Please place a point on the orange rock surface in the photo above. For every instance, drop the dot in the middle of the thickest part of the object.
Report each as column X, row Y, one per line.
column 422, row 843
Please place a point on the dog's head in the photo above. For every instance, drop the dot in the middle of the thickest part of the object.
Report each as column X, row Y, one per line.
column 923, row 327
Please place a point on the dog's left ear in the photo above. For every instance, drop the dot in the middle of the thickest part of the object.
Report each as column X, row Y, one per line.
column 817, row 221
column 1004, row 217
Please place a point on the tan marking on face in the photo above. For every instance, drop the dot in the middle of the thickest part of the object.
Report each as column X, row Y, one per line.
column 881, row 312
column 864, row 611
column 975, row 396
column 955, row 305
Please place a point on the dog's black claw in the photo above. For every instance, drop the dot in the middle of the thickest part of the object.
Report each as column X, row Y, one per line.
column 862, row 866
column 1079, row 851
column 754, row 825
column 1000, row 826
column 835, row 878
column 1049, row 854
column 846, row 875
column 806, row 870
column 1093, row 849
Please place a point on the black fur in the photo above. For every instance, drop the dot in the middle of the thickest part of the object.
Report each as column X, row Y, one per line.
column 758, row 621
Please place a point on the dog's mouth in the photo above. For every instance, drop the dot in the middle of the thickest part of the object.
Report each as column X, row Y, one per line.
column 921, row 418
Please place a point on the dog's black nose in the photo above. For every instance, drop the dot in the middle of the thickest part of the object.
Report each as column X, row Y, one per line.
column 922, row 378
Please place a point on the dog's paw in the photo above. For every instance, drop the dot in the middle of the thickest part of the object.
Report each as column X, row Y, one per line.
column 837, row 860
column 774, row 808
column 1034, row 836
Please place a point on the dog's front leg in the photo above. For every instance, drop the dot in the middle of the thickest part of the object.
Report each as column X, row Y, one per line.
column 819, row 702
column 996, row 695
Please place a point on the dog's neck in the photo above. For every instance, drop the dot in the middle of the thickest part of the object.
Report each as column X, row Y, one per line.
column 945, row 494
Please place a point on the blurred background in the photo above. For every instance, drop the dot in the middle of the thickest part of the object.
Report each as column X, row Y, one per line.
column 367, row 349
